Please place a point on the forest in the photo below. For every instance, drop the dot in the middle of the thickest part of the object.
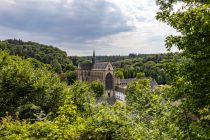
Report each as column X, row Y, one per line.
column 55, row 58
column 134, row 65
column 148, row 65
column 41, row 99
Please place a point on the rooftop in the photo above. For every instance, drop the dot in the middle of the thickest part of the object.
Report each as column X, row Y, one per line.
column 89, row 66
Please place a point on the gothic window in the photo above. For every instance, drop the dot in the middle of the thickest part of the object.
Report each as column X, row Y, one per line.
column 109, row 81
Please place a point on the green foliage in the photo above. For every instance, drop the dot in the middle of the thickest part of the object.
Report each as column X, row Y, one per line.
column 150, row 64
column 119, row 74
column 190, row 77
column 152, row 110
column 179, row 111
column 73, row 122
column 27, row 89
column 135, row 91
column 140, row 75
column 111, row 122
column 57, row 58
column 65, row 126
column 147, row 114
column 98, row 88
column 56, row 65
column 82, row 96
column 71, row 76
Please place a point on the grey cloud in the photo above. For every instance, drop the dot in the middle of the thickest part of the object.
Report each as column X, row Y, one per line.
column 81, row 20
column 80, row 26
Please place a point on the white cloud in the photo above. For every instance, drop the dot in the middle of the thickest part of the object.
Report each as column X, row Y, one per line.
column 79, row 26
column 149, row 35
column 7, row 2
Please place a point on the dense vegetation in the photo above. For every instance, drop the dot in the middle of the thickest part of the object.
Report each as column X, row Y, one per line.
column 134, row 64
column 35, row 104
column 72, row 112
column 191, row 77
column 148, row 66
column 55, row 57
column 50, row 109
column 27, row 86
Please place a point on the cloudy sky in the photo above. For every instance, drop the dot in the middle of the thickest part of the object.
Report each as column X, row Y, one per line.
column 111, row 27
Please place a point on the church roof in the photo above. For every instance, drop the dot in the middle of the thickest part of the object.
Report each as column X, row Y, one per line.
column 85, row 66
column 101, row 65
column 93, row 65
column 89, row 66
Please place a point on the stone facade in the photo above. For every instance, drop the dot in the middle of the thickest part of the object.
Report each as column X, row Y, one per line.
column 102, row 72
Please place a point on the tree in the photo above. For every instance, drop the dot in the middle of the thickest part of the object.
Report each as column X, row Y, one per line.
column 26, row 88
column 71, row 77
column 58, row 59
column 140, row 75
column 190, row 78
column 98, row 88
column 119, row 74
column 135, row 94
column 151, row 110
column 82, row 96
column 67, row 125
column 56, row 65
column 111, row 123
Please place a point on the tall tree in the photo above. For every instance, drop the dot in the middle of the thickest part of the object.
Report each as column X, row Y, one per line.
column 191, row 77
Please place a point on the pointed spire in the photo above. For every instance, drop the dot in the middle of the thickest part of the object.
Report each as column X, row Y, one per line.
column 94, row 57
column 94, row 54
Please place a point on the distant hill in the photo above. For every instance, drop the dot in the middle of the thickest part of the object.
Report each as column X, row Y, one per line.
column 44, row 53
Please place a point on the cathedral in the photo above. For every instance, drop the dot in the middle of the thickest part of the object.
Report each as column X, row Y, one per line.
column 102, row 72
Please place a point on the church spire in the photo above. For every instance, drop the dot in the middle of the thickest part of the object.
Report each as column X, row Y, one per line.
column 94, row 57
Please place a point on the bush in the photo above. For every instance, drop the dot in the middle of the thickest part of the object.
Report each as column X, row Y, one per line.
column 98, row 88
column 26, row 88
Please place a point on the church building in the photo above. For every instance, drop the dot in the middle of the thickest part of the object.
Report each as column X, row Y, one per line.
column 102, row 72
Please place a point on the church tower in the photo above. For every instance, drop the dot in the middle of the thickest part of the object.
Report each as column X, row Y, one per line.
column 94, row 58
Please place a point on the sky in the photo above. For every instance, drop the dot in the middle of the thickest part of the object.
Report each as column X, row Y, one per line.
column 110, row 27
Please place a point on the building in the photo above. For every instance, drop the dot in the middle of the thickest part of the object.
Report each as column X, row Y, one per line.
column 102, row 72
